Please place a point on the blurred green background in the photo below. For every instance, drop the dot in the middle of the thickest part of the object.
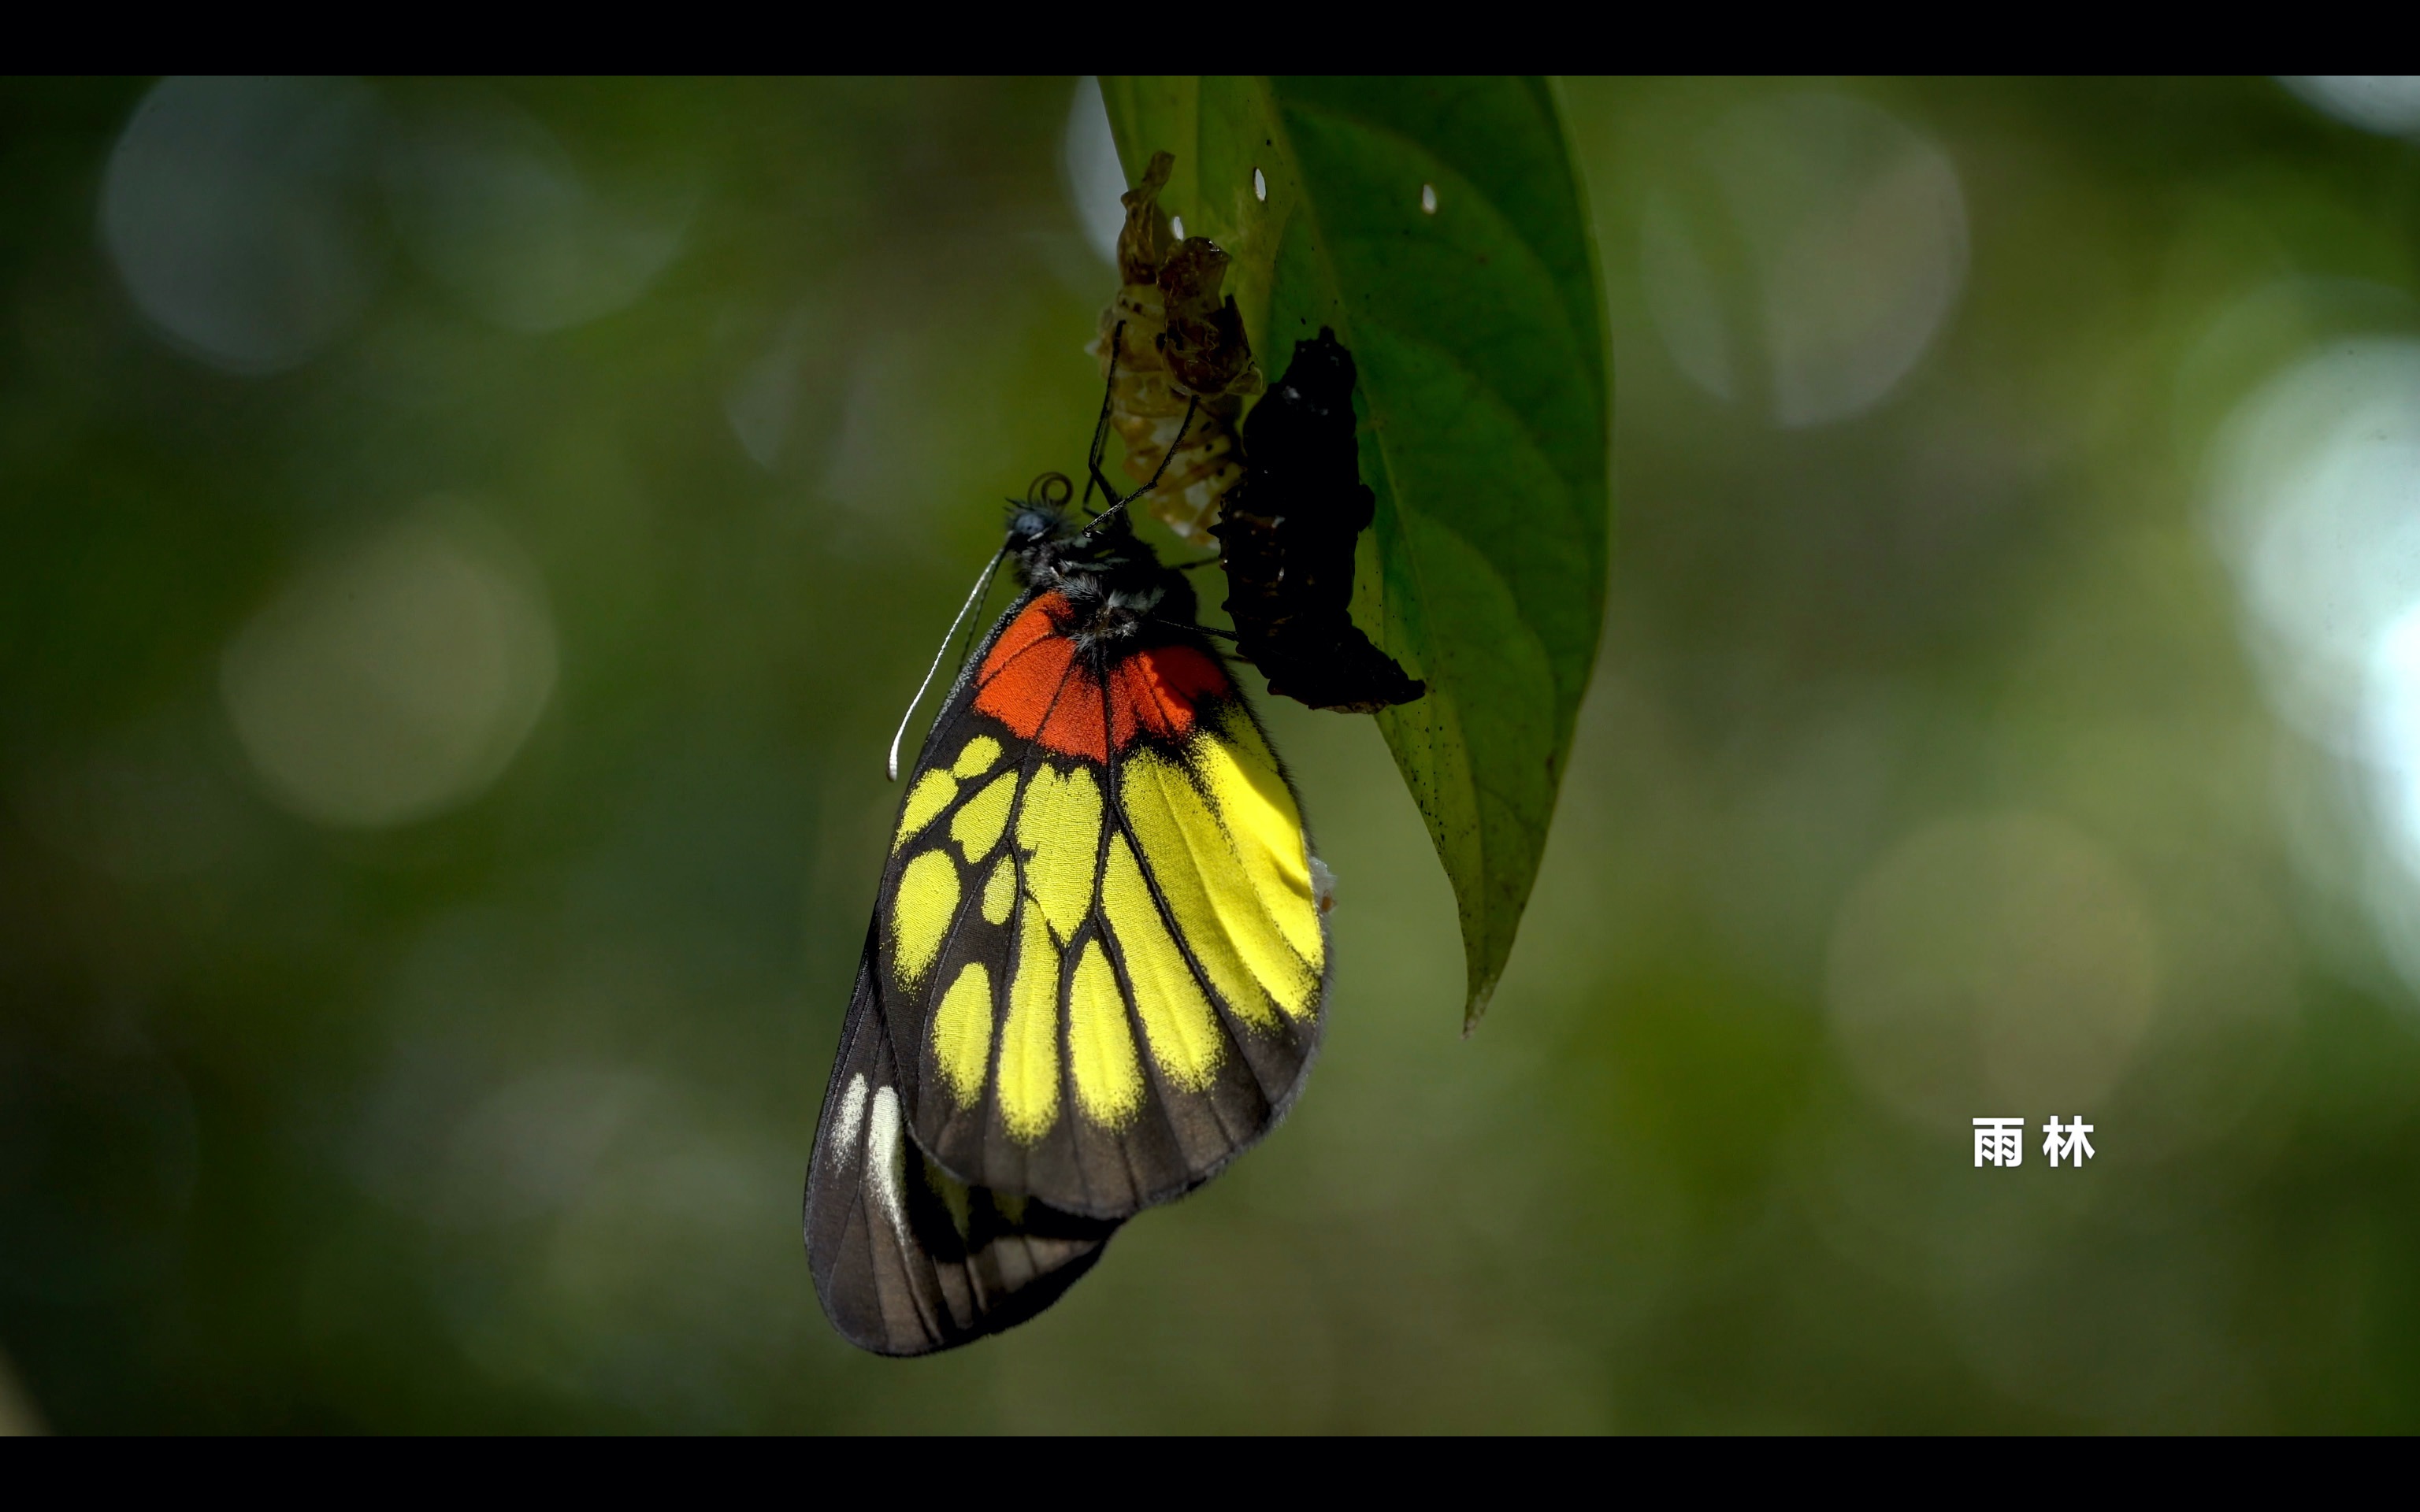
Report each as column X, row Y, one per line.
column 466, row 546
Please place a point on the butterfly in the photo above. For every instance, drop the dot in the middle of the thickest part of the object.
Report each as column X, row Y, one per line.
column 1286, row 536
column 1098, row 960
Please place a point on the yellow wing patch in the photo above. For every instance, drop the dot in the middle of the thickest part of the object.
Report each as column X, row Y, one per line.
column 962, row 1032
column 977, row 824
column 1000, row 892
column 1225, row 921
column 1059, row 827
column 1261, row 818
column 1100, row 1046
column 1178, row 1021
column 929, row 796
column 976, row 758
column 1029, row 1042
column 921, row 911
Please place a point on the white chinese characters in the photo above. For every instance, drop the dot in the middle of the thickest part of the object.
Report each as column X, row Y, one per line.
column 2002, row 1141
column 2072, row 1141
column 1999, row 1141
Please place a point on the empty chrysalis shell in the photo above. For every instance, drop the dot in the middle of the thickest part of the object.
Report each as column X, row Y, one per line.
column 1178, row 342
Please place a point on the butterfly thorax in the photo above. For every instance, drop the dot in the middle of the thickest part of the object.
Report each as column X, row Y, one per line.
column 1114, row 586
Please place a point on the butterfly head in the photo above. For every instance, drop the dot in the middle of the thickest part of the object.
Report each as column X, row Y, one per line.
column 1109, row 575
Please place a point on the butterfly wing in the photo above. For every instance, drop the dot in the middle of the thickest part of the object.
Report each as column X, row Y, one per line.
column 907, row 1259
column 1097, row 927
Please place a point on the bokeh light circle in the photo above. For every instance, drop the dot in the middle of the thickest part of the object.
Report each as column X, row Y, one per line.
column 395, row 681
column 495, row 205
column 1804, row 256
column 2316, row 498
column 235, row 210
column 1992, row 966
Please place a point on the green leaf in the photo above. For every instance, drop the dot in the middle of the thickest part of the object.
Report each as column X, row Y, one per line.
column 1484, row 400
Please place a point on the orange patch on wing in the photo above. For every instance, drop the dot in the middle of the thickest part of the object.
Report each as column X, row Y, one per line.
column 1033, row 683
column 1032, row 659
column 1078, row 726
column 1045, row 618
column 1157, row 690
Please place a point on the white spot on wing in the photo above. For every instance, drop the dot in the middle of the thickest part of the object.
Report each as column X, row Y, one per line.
column 885, row 1161
column 852, row 1116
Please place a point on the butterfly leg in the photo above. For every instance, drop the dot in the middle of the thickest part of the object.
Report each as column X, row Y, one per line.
column 1101, row 427
column 1191, row 406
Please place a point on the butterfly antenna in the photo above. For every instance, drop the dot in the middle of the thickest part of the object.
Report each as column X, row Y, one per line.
column 983, row 586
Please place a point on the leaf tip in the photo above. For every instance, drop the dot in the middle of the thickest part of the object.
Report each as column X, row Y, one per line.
column 1481, row 991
